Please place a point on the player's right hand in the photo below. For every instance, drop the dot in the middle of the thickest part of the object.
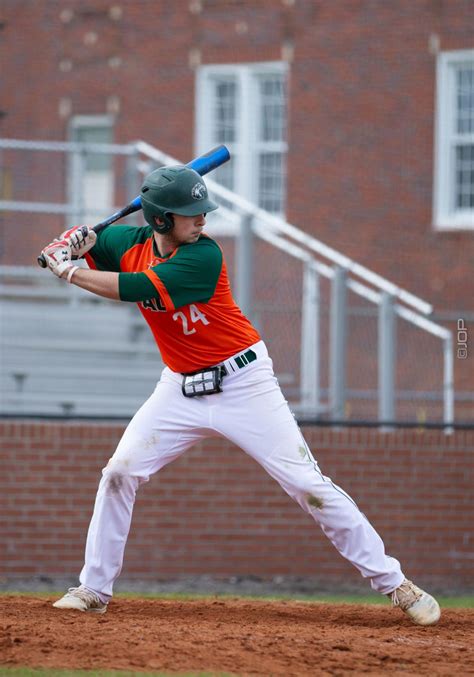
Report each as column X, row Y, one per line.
column 80, row 239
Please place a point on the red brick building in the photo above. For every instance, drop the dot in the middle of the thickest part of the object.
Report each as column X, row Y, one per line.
column 377, row 135
column 364, row 138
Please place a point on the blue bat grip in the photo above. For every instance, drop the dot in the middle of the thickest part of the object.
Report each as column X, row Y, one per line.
column 136, row 204
column 206, row 163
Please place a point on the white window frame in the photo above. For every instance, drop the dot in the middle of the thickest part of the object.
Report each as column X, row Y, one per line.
column 445, row 215
column 76, row 198
column 246, row 176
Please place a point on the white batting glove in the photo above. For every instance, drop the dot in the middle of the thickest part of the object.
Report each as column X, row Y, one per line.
column 80, row 239
column 58, row 255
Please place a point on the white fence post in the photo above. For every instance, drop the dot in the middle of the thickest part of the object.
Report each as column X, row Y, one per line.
column 448, row 383
column 244, row 261
column 337, row 348
column 386, row 357
column 310, row 342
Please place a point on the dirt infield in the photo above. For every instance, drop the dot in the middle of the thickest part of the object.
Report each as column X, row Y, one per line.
column 238, row 636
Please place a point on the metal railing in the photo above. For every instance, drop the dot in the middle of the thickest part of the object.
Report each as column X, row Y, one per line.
column 343, row 274
column 314, row 262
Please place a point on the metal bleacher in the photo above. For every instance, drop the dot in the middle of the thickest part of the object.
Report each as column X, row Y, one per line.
column 65, row 352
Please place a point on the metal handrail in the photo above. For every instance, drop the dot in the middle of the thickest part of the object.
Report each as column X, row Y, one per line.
column 300, row 236
column 71, row 146
column 318, row 247
column 272, row 221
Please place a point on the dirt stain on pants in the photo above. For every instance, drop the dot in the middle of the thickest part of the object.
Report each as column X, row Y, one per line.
column 315, row 501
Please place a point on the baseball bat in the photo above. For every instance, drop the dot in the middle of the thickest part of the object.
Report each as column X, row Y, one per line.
column 202, row 165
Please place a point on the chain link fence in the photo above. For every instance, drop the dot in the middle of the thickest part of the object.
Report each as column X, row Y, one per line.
column 328, row 348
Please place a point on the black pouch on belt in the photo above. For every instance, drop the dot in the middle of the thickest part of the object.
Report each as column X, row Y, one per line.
column 205, row 382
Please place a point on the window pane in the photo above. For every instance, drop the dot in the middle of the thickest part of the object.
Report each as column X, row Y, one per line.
column 225, row 175
column 272, row 108
column 90, row 134
column 225, row 111
column 465, row 99
column 91, row 182
column 465, row 176
column 271, row 182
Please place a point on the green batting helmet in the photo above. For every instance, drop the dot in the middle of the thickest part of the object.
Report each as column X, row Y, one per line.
column 174, row 190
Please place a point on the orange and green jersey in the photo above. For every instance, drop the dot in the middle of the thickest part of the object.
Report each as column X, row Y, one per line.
column 185, row 297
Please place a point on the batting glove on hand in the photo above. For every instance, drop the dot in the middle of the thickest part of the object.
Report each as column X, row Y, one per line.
column 58, row 256
column 80, row 239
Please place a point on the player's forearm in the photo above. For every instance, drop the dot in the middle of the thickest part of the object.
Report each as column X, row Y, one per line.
column 98, row 282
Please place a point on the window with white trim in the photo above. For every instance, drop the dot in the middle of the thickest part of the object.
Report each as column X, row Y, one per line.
column 454, row 143
column 244, row 106
column 91, row 177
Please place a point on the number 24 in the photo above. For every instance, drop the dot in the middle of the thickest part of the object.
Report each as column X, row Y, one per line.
column 196, row 316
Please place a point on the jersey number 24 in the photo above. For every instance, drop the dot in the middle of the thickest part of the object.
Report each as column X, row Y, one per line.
column 195, row 316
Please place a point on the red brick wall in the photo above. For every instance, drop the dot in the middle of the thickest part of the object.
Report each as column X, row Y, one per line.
column 364, row 80
column 361, row 99
column 216, row 512
column 361, row 116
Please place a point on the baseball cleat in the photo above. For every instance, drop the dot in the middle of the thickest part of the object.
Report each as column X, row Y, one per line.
column 422, row 608
column 81, row 599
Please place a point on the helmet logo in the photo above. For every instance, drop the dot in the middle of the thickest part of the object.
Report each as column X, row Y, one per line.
column 198, row 191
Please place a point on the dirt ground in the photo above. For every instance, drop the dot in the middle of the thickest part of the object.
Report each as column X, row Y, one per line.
column 238, row 636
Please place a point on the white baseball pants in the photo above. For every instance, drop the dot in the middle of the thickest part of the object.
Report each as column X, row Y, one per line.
column 252, row 413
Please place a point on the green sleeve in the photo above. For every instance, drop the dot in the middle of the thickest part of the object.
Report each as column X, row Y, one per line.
column 113, row 242
column 136, row 287
column 191, row 275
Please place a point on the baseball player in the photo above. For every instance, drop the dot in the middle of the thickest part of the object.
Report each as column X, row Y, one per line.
column 218, row 380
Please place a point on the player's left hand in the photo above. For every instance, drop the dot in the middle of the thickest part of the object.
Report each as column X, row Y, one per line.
column 80, row 239
column 58, row 255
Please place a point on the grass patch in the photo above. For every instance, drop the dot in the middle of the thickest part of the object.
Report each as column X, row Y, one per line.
column 446, row 601
column 52, row 672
